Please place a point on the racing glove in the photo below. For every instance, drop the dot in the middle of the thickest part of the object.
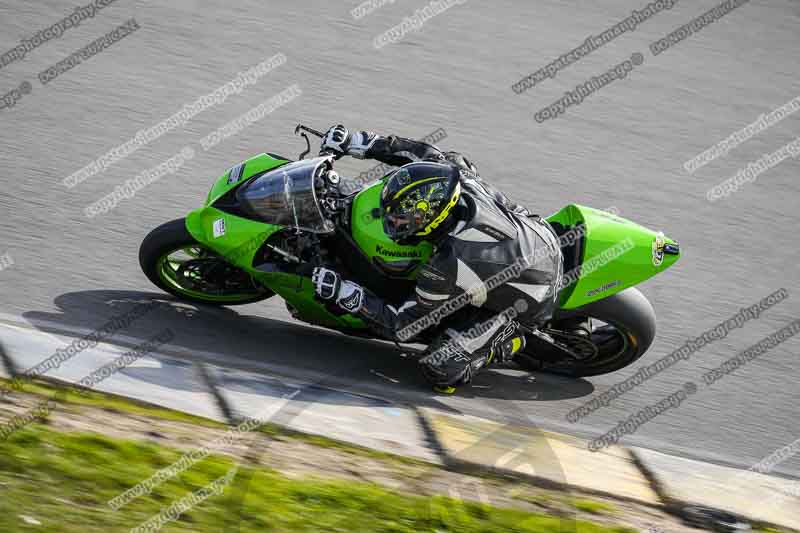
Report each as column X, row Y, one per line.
column 330, row 287
column 340, row 141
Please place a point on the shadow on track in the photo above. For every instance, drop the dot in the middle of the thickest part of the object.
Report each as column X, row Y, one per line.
column 374, row 366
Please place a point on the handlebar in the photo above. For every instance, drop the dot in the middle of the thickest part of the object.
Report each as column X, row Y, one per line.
column 301, row 130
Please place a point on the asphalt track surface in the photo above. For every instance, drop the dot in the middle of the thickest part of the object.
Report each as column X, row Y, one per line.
column 624, row 147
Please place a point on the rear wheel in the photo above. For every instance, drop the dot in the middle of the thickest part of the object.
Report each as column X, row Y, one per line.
column 174, row 261
column 623, row 327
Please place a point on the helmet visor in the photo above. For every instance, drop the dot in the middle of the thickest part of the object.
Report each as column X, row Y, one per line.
column 401, row 226
column 412, row 209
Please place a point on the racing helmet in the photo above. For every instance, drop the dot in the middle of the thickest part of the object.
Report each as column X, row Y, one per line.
column 418, row 197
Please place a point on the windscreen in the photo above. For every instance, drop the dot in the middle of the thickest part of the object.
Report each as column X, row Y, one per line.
column 285, row 196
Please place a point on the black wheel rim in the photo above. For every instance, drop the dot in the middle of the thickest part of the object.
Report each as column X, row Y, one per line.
column 199, row 274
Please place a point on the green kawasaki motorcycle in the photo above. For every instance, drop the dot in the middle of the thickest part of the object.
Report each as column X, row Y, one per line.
column 269, row 221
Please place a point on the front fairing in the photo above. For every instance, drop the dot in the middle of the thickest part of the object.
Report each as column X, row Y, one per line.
column 241, row 173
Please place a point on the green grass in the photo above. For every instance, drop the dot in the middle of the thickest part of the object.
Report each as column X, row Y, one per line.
column 110, row 402
column 64, row 480
column 593, row 507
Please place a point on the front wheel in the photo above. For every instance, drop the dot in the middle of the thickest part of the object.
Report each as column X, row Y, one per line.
column 623, row 327
column 174, row 261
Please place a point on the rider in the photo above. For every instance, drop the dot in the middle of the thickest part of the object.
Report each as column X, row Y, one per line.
column 477, row 234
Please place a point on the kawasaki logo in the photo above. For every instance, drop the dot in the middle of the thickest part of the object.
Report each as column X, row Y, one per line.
column 397, row 253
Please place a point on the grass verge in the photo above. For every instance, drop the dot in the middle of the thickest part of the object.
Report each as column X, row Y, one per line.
column 63, row 481
column 119, row 404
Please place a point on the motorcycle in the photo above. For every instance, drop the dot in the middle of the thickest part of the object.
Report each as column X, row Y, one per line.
column 268, row 221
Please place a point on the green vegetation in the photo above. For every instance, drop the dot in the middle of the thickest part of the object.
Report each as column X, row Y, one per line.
column 591, row 506
column 67, row 396
column 63, row 481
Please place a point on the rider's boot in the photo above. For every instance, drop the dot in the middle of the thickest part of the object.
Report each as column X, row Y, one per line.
column 448, row 369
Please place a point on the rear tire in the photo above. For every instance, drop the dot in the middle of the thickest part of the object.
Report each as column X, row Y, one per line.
column 172, row 237
column 630, row 329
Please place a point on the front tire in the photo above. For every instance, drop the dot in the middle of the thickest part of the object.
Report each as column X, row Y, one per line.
column 628, row 331
column 176, row 263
